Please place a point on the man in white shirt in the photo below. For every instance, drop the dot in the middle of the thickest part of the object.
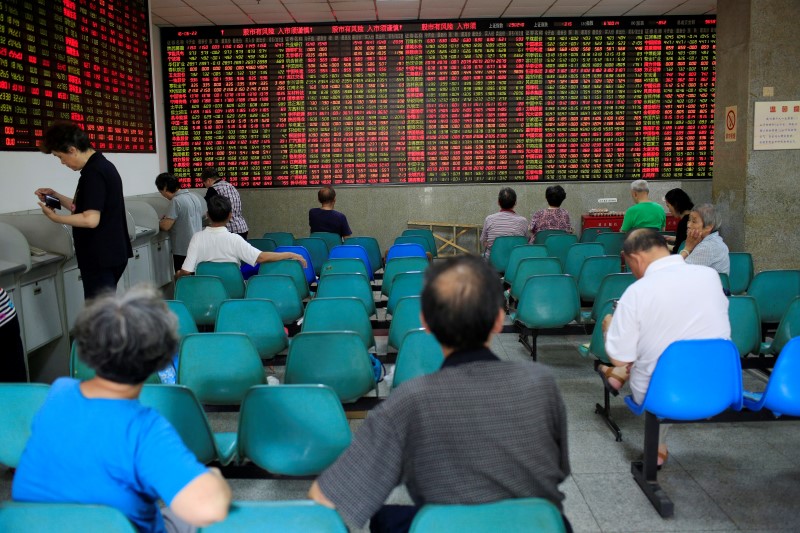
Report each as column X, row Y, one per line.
column 670, row 301
column 218, row 245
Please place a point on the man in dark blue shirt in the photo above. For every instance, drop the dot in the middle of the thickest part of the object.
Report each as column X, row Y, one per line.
column 326, row 218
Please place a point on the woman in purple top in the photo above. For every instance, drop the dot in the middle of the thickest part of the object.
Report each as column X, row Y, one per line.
column 553, row 217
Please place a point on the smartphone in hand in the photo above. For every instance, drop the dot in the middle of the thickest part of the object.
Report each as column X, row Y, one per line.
column 52, row 202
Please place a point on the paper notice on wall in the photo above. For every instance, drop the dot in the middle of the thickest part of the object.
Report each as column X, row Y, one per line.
column 776, row 126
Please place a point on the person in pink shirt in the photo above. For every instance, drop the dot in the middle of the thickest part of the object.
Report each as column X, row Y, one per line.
column 554, row 217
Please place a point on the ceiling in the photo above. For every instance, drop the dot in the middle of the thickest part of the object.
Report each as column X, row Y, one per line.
column 233, row 12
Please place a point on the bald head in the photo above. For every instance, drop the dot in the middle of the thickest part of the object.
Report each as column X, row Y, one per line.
column 642, row 247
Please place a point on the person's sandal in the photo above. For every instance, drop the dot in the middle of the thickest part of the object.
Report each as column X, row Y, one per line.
column 605, row 375
column 662, row 456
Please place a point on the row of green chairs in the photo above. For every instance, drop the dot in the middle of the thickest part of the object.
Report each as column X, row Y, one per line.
column 746, row 326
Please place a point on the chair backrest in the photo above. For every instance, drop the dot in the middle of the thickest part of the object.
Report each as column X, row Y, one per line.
column 524, row 514
column 534, row 266
column 300, row 516
column 428, row 234
column 398, row 265
column 289, row 268
column 25, row 517
column 281, row 290
column 518, row 253
column 317, row 249
column 220, row 367
column 343, row 285
column 578, row 253
column 308, row 270
column 745, row 324
column 334, row 358
column 20, row 403
column 405, row 284
column 265, row 245
column 597, row 344
column 725, row 280
column 501, row 251
column 373, row 249
column 415, row 239
column 353, row 251
column 774, row 290
column 420, row 354
column 558, row 245
column 186, row 323
column 281, row 238
column 741, row 273
column 612, row 287
column 544, row 234
column 782, row 395
column 332, row 240
column 611, row 241
column 593, row 272
column 675, row 393
column 405, row 319
column 405, row 250
column 293, row 430
column 339, row 314
column 258, row 318
column 344, row 265
column 202, row 296
column 788, row 328
column 548, row 301
column 589, row 234
column 229, row 273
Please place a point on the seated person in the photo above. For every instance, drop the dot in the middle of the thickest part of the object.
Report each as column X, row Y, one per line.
column 503, row 223
column 325, row 217
column 92, row 442
column 704, row 246
column 680, row 205
column 218, row 245
column 438, row 433
column 553, row 217
column 644, row 213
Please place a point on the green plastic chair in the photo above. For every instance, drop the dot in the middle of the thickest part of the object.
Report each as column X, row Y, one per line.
column 520, row 253
column 202, row 296
column 186, row 323
column 593, row 272
column 405, row 284
column 741, row 273
column 611, row 241
column 406, row 318
column 337, row 359
column 178, row 404
column 788, row 328
column 20, row 401
column 428, row 234
column 558, row 245
column 292, row 430
column 318, row 250
column 220, row 367
column 590, row 234
column 725, row 280
column 332, row 240
column 288, row 268
column 281, row 290
column 301, row 516
column 398, row 265
column 370, row 244
column 339, row 314
column 258, row 318
column 597, row 345
column 547, row 301
column 524, row 514
column 229, row 273
column 24, row 517
column 343, row 285
column 419, row 355
column 745, row 324
column 281, row 238
column 534, row 266
column 544, row 234
column 344, row 265
column 265, row 245
column 416, row 239
column 774, row 290
column 612, row 287
column 80, row 370
column 578, row 253
column 501, row 251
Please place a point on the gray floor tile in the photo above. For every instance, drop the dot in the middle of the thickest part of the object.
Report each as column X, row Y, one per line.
column 576, row 510
column 269, row 489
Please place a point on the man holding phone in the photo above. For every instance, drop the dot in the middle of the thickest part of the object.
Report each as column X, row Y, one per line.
column 97, row 209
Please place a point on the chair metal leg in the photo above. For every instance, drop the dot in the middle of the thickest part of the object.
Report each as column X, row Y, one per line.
column 523, row 338
column 645, row 472
column 605, row 410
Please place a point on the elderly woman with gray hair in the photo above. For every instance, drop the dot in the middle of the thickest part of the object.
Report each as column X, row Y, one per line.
column 704, row 246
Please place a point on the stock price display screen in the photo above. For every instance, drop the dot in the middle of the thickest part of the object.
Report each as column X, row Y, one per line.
column 87, row 61
column 442, row 102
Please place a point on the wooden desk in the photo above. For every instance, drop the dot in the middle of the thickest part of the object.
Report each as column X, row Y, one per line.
column 453, row 231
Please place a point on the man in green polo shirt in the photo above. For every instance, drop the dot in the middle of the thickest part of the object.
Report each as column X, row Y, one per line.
column 643, row 213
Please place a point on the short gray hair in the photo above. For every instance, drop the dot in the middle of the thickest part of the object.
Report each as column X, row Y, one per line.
column 640, row 186
column 126, row 338
column 709, row 215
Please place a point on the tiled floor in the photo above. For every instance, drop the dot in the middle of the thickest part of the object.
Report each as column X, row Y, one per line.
column 721, row 477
